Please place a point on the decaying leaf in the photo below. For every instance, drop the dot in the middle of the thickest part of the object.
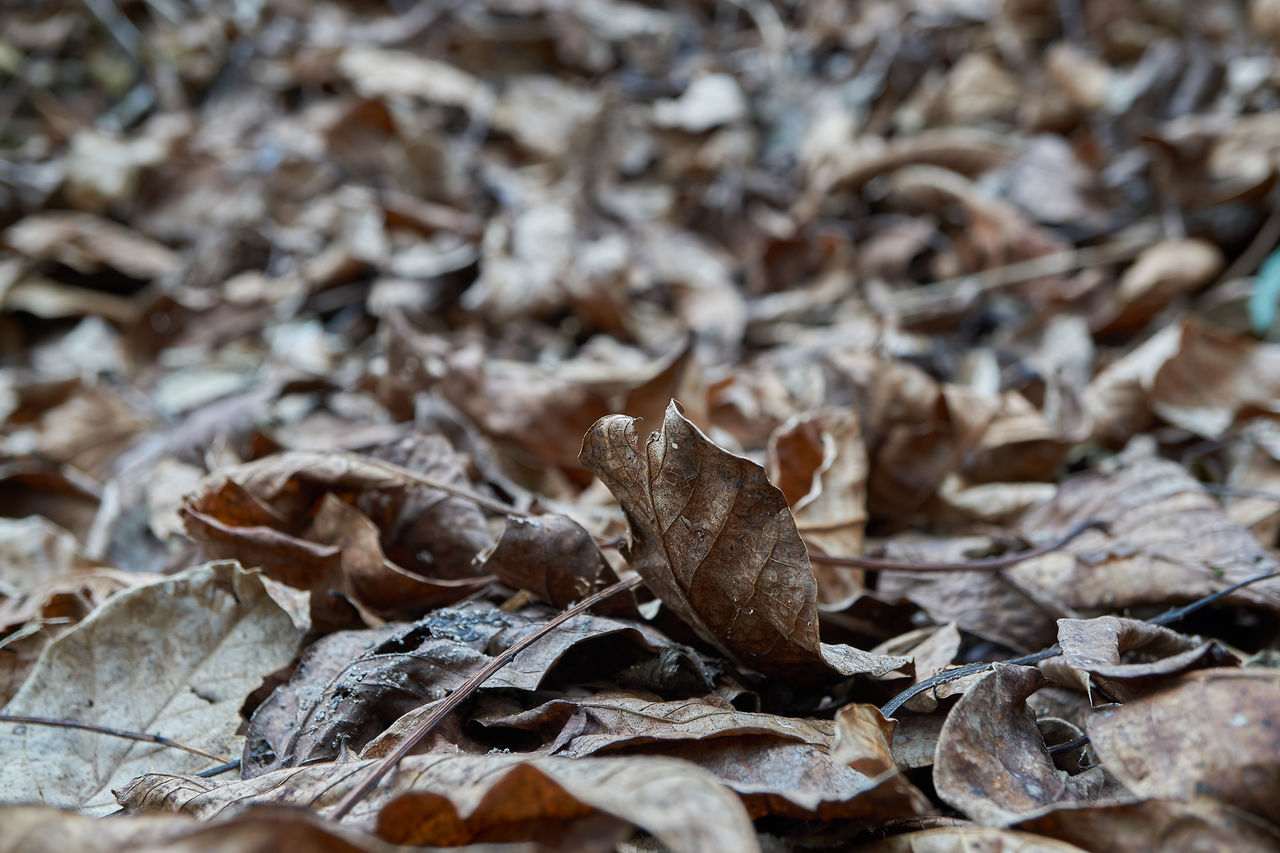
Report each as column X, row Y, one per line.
column 1153, row 826
column 778, row 765
column 820, row 464
column 177, row 657
column 1166, row 540
column 352, row 686
column 716, row 542
column 552, row 556
column 1211, row 733
column 451, row 800
column 991, row 760
column 1092, row 648
column 284, row 514
column 35, row 829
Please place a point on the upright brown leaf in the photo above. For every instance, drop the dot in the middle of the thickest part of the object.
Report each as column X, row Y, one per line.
column 716, row 541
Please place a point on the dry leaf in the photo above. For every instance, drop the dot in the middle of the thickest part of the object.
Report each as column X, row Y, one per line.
column 351, row 687
column 1153, row 826
column 452, row 800
column 778, row 765
column 969, row 839
column 1092, row 648
column 1211, row 733
column 552, row 556
column 820, row 464
column 87, row 243
column 1167, row 541
column 716, row 542
column 175, row 657
column 36, row 829
column 991, row 761
column 1161, row 274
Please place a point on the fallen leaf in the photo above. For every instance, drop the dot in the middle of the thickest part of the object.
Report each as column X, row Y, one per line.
column 1167, row 541
column 30, row 829
column 451, row 800
column 88, row 243
column 1161, row 274
column 1211, row 733
column 820, row 464
column 1152, row 826
column 716, row 542
column 1093, row 649
column 350, row 689
column 552, row 556
column 176, row 657
column 991, row 760
column 778, row 765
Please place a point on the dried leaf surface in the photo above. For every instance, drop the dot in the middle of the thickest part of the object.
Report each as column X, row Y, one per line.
column 991, row 760
column 177, row 657
column 716, row 541
column 1093, row 649
column 1167, row 540
column 1212, row 733
column 451, row 800
column 820, row 464
column 1151, row 826
column 29, row 829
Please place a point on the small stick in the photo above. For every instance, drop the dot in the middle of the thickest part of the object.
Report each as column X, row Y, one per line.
column 1173, row 615
column 1240, row 492
column 220, row 769
column 989, row 564
column 21, row 719
column 457, row 697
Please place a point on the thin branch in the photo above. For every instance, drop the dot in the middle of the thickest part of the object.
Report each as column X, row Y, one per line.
column 989, row 564
column 1169, row 616
column 1224, row 490
column 457, row 697
column 227, row 767
column 431, row 483
column 1079, row 742
column 143, row 737
column 926, row 296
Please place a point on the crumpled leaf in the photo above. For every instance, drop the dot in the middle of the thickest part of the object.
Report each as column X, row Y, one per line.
column 32, row 829
column 1153, row 826
column 448, row 800
column 991, row 760
column 1212, row 733
column 1092, row 648
column 716, row 542
column 175, row 657
column 292, row 515
column 778, row 765
column 352, row 687
column 552, row 556
column 819, row 462
column 1167, row 541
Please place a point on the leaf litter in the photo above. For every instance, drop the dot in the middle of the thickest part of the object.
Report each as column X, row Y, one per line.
column 386, row 309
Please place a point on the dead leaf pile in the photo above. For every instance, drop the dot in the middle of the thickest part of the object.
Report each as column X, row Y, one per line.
column 344, row 347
